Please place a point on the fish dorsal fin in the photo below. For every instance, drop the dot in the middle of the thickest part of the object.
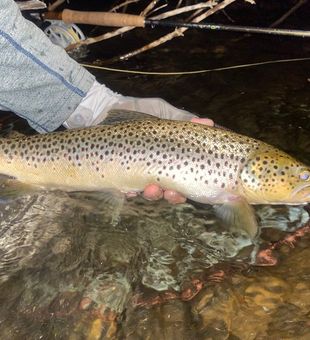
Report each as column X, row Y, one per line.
column 117, row 116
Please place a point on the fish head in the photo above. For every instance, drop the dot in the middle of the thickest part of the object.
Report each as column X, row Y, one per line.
column 273, row 177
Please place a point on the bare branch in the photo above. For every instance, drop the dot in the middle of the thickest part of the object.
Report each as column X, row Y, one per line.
column 123, row 4
column 179, row 3
column 288, row 13
column 55, row 4
column 158, row 8
column 123, row 30
column 184, row 9
column 176, row 33
column 149, row 8
column 112, row 34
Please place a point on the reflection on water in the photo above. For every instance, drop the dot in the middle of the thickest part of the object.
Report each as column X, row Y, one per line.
column 74, row 267
column 68, row 270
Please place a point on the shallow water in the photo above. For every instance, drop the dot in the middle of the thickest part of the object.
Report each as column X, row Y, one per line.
column 73, row 267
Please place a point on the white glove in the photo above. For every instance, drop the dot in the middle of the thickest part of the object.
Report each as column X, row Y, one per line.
column 100, row 100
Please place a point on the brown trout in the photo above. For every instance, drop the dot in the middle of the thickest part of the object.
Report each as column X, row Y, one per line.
column 205, row 164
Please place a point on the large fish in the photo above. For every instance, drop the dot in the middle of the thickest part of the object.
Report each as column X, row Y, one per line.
column 205, row 164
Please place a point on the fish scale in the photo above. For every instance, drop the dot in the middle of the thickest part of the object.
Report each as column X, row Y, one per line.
column 205, row 164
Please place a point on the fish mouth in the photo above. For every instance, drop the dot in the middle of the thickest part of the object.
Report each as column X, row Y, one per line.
column 302, row 192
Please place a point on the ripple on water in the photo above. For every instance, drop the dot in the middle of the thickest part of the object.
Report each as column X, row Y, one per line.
column 77, row 263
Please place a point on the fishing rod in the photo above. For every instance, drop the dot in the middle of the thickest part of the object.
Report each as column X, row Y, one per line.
column 120, row 20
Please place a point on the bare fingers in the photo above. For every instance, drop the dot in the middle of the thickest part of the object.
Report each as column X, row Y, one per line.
column 154, row 192
column 205, row 121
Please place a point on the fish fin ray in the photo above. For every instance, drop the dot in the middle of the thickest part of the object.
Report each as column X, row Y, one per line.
column 238, row 215
column 12, row 188
column 109, row 199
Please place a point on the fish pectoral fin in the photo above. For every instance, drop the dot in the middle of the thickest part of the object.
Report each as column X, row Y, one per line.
column 238, row 215
column 12, row 188
column 116, row 116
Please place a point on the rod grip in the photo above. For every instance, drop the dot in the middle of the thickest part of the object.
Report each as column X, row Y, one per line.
column 102, row 18
column 52, row 15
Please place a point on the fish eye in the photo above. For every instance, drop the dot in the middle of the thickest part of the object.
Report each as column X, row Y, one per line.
column 305, row 176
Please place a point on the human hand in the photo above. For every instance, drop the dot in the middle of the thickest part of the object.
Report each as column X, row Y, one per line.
column 155, row 192
column 153, row 106
column 99, row 100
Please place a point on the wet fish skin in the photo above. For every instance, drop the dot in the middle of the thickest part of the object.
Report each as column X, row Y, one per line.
column 198, row 161
column 206, row 164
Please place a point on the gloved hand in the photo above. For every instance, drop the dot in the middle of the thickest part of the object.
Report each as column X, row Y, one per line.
column 100, row 100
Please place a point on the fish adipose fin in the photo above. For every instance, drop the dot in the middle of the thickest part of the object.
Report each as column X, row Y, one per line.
column 238, row 215
column 118, row 116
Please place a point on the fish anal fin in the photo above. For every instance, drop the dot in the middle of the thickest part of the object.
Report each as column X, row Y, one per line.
column 238, row 215
column 11, row 188
column 111, row 200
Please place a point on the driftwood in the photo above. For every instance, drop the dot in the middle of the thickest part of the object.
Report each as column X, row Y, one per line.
column 198, row 12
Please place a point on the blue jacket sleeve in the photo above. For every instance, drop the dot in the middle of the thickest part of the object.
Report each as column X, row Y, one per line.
column 39, row 81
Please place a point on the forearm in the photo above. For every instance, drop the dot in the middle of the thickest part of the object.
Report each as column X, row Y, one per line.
column 39, row 81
